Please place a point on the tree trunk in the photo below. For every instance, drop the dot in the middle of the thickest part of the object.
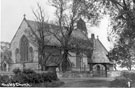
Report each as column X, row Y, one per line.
column 130, row 64
column 115, row 67
column 129, row 68
column 41, row 57
column 65, row 63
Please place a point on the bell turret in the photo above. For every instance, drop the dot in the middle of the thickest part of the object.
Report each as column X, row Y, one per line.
column 82, row 26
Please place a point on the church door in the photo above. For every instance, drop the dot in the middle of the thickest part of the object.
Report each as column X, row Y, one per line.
column 24, row 48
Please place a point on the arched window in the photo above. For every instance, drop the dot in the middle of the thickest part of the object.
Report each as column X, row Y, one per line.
column 24, row 44
column 31, row 55
column 17, row 55
column 5, row 66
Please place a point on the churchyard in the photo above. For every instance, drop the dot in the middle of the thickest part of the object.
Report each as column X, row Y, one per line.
column 30, row 78
column 75, row 43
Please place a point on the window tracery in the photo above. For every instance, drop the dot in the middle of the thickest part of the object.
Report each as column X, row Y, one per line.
column 24, row 48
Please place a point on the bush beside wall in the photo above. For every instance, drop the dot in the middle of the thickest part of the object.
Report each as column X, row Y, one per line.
column 122, row 80
column 28, row 76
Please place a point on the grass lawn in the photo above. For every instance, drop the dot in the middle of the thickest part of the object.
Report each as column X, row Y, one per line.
column 96, row 83
column 87, row 83
column 93, row 83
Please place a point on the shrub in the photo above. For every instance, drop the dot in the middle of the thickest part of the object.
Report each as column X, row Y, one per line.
column 28, row 71
column 132, row 76
column 29, row 76
column 125, row 74
column 128, row 75
column 122, row 81
column 19, row 78
column 17, row 71
column 4, row 79
column 119, row 82
column 45, row 77
column 34, row 78
column 52, row 76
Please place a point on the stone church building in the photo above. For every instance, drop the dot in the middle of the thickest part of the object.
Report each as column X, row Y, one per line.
column 25, row 52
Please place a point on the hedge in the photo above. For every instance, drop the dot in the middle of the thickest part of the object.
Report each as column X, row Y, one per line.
column 28, row 76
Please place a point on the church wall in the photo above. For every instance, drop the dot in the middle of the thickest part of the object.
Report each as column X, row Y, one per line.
column 15, row 65
column 16, row 44
column 17, row 37
column 84, row 62
column 34, row 64
column 85, row 66
column 72, row 58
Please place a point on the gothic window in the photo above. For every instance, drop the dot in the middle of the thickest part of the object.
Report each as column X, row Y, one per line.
column 4, row 66
column 17, row 55
column 31, row 55
column 24, row 48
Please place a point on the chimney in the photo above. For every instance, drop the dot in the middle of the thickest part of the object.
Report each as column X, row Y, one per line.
column 92, row 36
column 93, row 40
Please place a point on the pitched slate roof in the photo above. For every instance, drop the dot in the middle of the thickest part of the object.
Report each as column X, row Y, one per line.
column 99, row 53
column 76, row 34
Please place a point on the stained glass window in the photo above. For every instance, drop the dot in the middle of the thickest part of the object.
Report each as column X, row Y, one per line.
column 24, row 48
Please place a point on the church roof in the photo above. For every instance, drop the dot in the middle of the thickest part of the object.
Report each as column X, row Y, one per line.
column 99, row 53
column 34, row 26
column 76, row 34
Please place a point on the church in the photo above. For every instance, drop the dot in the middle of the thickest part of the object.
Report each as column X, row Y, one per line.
column 92, row 55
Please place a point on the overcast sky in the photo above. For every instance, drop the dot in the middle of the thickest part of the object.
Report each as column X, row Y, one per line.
column 12, row 12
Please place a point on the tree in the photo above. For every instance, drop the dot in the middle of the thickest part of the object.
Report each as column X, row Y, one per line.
column 66, row 25
column 5, row 53
column 112, row 56
column 123, row 22
column 123, row 56
column 40, row 36
column 69, row 14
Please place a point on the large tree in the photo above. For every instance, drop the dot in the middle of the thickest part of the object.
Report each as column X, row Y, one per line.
column 69, row 14
column 122, row 13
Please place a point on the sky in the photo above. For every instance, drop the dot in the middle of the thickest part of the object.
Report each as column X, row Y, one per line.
column 12, row 12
